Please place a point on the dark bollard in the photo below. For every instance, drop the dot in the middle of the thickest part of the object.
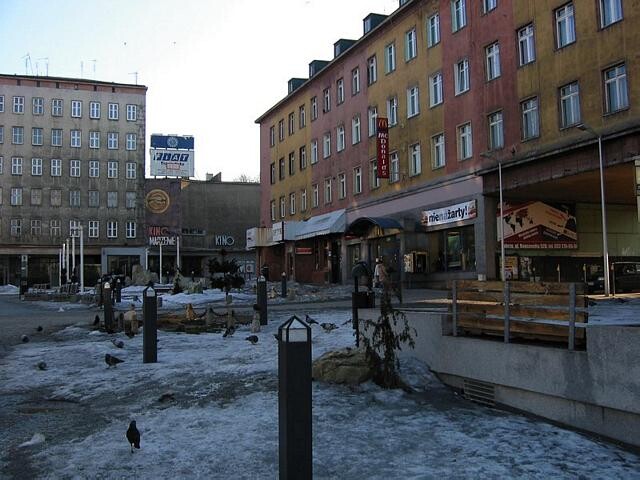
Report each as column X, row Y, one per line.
column 108, row 307
column 118, row 291
column 262, row 299
column 283, row 293
column 294, row 400
column 150, row 331
column 99, row 292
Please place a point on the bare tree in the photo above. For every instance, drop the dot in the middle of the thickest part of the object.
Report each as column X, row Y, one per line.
column 247, row 178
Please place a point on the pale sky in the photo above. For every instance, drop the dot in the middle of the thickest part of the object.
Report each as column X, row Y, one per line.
column 211, row 66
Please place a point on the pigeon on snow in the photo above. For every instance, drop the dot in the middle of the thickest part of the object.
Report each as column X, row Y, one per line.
column 24, row 339
column 41, row 365
column 117, row 343
column 252, row 338
column 133, row 436
column 229, row 332
column 310, row 320
column 112, row 361
column 328, row 326
column 39, row 328
column 96, row 321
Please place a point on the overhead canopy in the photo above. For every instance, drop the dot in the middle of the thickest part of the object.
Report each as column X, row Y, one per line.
column 326, row 224
column 362, row 225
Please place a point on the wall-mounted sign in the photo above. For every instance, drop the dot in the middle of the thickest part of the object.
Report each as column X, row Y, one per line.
column 160, row 236
column 157, row 201
column 172, row 141
column 278, row 231
column 382, row 145
column 539, row 225
column 224, row 240
column 172, row 156
column 304, row 250
column 451, row 214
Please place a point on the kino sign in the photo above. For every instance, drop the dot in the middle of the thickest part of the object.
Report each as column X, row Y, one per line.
column 160, row 236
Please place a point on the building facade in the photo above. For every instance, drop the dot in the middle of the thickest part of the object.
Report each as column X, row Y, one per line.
column 482, row 98
column 71, row 160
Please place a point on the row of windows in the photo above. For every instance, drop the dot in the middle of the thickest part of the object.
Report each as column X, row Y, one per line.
column 75, row 138
column 57, row 108
column 16, row 198
column 18, row 225
column 611, row 12
column 74, row 168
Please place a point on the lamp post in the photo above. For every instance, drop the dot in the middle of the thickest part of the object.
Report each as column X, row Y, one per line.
column 501, row 223
column 607, row 285
column 81, row 259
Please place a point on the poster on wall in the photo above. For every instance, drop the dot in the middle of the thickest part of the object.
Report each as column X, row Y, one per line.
column 539, row 225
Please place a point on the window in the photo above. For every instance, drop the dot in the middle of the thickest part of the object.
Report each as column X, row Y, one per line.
column 355, row 81
column 37, row 105
column 76, row 108
column 302, row 157
column 461, row 71
column 413, row 102
column 36, row 136
column 113, row 111
column 392, row 111
column 130, row 229
column 36, row 167
column 340, row 90
column 131, row 170
column 74, row 228
column 112, row 229
column 410, row 45
column 328, row 190
column 273, row 210
column 74, row 198
column 340, row 138
column 303, row 200
column 315, row 199
column 112, row 199
column 132, row 113
column 433, row 30
column 394, row 170
column 56, row 167
column 390, row 58
column 130, row 199
column 437, row 151
column 565, row 26
column 94, row 198
column 292, row 126
column 458, row 14
column 94, row 139
column 112, row 169
column 36, row 196
column 1, row 103
column 132, row 141
column 530, row 124
column 16, row 165
column 55, row 197
column 615, row 87
column 1, row 134
column 17, row 135
column 292, row 203
column 281, row 130
column 435, row 89
column 74, row 168
column 16, row 196
column 415, row 159
column 610, row 12
column 18, row 105
column 54, row 228
column 493, row 61
column 326, row 145
column 342, row 185
column 76, row 138
column 326, row 95
column 281, row 169
column 526, row 45
column 357, row 180
column 355, row 130
column 374, row 181
column 272, row 135
column 314, row 151
column 569, row 105
column 16, row 227
column 36, row 228
column 302, row 117
column 283, row 207
column 94, row 110
column 488, row 5
column 56, row 107
column 465, row 142
column 56, row 137
column 1, row 167
column 112, row 140
column 372, row 70
column 496, row 134
column 292, row 163
column 94, row 169
column 372, row 115
column 314, row 108
column 94, row 228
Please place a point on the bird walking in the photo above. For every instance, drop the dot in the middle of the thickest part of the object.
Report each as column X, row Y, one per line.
column 39, row 328
column 24, row 339
column 229, row 332
column 310, row 320
column 41, row 365
column 112, row 361
column 253, row 339
column 117, row 343
column 133, row 435
column 328, row 326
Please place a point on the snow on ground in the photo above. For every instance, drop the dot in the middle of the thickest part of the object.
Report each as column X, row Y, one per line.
column 223, row 419
column 9, row 290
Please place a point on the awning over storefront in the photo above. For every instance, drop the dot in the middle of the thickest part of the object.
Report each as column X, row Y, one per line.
column 362, row 225
column 326, row 224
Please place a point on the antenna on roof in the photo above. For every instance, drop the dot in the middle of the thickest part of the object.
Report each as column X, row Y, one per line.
column 81, row 69
column 46, row 64
column 27, row 64
column 136, row 76
column 94, row 68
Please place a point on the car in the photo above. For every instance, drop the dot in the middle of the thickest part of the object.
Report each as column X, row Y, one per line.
column 627, row 277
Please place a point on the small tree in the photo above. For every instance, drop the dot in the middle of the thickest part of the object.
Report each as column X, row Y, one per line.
column 230, row 277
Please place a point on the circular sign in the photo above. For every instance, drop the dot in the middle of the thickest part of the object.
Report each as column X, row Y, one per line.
column 172, row 142
column 157, row 201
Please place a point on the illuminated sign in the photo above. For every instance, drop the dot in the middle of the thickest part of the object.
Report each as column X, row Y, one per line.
column 383, row 147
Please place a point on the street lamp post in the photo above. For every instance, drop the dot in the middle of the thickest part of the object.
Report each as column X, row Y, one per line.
column 492, row 156
column 81, row 259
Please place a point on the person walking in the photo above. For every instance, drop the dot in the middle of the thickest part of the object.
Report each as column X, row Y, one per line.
column 380, row 274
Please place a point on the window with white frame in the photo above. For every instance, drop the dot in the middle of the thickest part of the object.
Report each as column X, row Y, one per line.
column 565, row 26
column 94, row 139
column 17, row 135
column 16, row 165
column 18, row 105
column 530, row 122
column 56, row 167
column 355, row 130
column 433, row 30
column 610, row 12
column 357, row 180
column 526, row 45
column 394, row 167
column 437, row 151
column 74, row 198
column 76, row 108
column 272, row 136
column 36, row 227
column 488, row 5
column 112, row 229
column 37, row 106
column 492, row 55
column 326, row 95
column 94, row 169
column 292, row 123
column 340, row 90
column 314, row 151
column 302, row 116
column 130, row 229
column 131, row 170
column 94, row 198
column 54, row 228
column 355, row 81
column 74, row 228
column 436, row 95
column 292, row 163
column 390, row 58
column 302, row 160
column 465, row 142
column 340, row 141
column 37, row 136
column 496, row 132
column 374, row 180
column 94, row 228
column 342, row 185
column 328, row 190
column 415, row 159
column 57, row 107
column 1, row 134
column 112, row 199
column 36, row 167
column 74, row 168
column 461, row 74
column 114, row 111
column 303, row 200
column 392, row 110
column 16, row 227
column 372, row 70
column 132, row 141
column 132, row 112
column 76, row 138
column 1, row 103
column 410, row 45
column 112, row 169
column 292, row 203
column 372, row 116
column 615, row 88
column 94, row 110
column 55, row 197
column 36, row 196
column 16, row 196
column 458, row 14
column 315, row 196
column 314, row 108
column 130, row 200
column 326, row 145
column 56, row 137
column 273, row 210
column 569, row 105
column 413, row 101
column 112, row 140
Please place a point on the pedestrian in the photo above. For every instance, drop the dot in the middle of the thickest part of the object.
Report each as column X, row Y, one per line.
column 380, row 274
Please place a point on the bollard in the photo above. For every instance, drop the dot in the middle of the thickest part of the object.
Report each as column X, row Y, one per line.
column 99, row 292
column 262, row 299
column 283, row 292
column 108, row 307
column 294, row 400
column 354, row 310
column 118, row 291
column 150, row 331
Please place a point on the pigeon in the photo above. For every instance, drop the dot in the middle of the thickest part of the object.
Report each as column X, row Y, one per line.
column 229, row 332
column 24, row 339
column 253, row 339
column 328, row 326
column 112, row 361
column 41, row 365
column 117, row 343
column 39, row 328
column 133, row 436
column 96, row 321
column 166, row 397
column 310, row 320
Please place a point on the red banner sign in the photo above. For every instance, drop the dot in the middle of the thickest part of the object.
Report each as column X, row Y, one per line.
column 383, row 147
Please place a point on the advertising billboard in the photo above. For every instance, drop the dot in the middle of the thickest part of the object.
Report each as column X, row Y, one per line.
column 171, row 156
column 539, row 225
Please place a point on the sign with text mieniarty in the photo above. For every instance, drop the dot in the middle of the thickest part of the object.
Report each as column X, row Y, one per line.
column 172, row 156
column 383, row 147
column 450, row 214
column 160, row 236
